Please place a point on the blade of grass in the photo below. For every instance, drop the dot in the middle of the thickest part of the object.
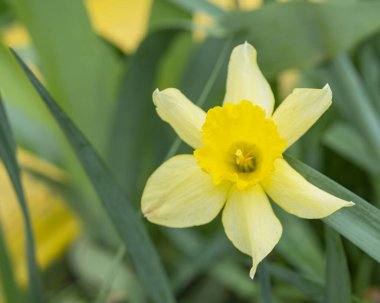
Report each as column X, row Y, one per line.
column 337, row 269
column 311, row 289
column 205, row 92
column 265, row 282
column 303, row 33
column 199, row 68
column 369, row 66
column 119, row 209
column 346, row 141
column 111, row 274
column 234, row 278
column 310, row 259
column 18, row 94
column 217, row 247
column 8, row 155
column 35, row 129
column 135, row 110
column 196, row 6
column 360, row 223
column 8, row 285
column 356, row 100
column 91, row 262
column 64, row 40
column 363, row 275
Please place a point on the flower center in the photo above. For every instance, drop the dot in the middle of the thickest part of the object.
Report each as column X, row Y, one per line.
column 246, row 157
column 245, row 163
column 240, row 144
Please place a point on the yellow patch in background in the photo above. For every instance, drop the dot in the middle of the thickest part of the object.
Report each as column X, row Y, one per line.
column 54, row 225
column 16, row 36
column 122, row 22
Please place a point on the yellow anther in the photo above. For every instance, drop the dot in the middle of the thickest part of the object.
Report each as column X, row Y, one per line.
column 245, row 163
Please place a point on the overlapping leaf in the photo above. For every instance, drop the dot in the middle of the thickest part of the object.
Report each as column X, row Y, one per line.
column 119, row 209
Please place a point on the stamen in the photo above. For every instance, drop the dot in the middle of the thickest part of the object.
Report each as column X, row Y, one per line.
column 245, row 162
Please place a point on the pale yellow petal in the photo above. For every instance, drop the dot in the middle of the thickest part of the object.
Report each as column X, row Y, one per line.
column 180, row 194
column 245, row 80
column 300, row 110
column 299, row 197
column 183, row 115
column 250, row 223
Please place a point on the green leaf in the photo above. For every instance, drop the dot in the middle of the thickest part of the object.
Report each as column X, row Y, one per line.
column 234, row 277
column 369, row 65
column 76, row 64
column 337, row 270
column 310, row 288
column 164, row 12
column 196, row 6
column 8, row 155
column 8, row 285
column 363, row 275
column 289, row 35
column 111, row 274
column 265, row 281
column 310, row 259
column 352, row 97
column 345, row 140
column 99, row 268
column 32, row 124
column 210, row 54
column 217, row 247
column 135, row 110
column 119, row 209
column 360, row 223
column 210, row 82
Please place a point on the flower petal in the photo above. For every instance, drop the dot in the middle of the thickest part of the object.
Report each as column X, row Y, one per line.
column 180, row 194
column 300, row 110
column 245, row 80
column 183, row 115
column 299, row 197
column 250, row 223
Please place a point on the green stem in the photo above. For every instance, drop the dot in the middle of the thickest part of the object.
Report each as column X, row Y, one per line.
column 204, row 94
column 111, row 275
column 265, row 282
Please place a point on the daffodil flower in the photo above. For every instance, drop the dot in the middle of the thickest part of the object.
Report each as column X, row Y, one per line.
column 238, row 160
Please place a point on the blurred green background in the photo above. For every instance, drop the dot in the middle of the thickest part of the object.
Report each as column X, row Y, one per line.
column 101, row 61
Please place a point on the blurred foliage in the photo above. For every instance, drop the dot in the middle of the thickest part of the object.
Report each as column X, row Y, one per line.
column 101, row 60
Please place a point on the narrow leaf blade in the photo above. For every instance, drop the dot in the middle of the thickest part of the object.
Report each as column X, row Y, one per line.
column 8, row 155
column 302, row 33
column 337, row 269
column 360, row 223
column 8, row 284
column 120, row 210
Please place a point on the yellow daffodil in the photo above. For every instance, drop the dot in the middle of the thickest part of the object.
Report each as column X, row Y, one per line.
column 238, row 160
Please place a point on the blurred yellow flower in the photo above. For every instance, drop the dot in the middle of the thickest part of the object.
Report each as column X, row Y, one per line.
column 238, row 160
column 54, row 224
column 122, row 22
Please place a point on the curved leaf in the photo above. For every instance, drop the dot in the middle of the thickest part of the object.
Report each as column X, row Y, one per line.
column 299, row 34
column 360, row 224
column 119, row 209
column 8, row 155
